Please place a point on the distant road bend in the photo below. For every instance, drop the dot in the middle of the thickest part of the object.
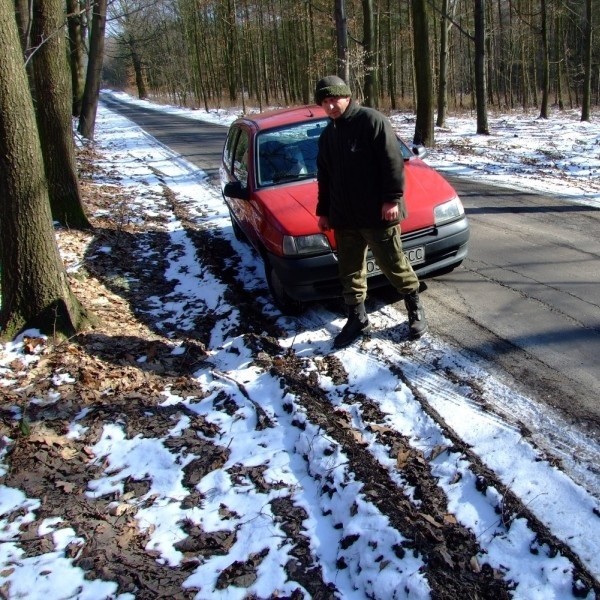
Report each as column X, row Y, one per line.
column 526, row 300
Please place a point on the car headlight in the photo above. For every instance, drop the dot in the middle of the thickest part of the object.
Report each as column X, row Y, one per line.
column 448, row 211
column 305, row 244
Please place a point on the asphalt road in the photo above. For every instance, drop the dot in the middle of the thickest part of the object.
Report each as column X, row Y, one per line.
column 527, row 298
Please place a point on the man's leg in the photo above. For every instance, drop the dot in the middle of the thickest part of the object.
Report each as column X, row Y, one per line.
column 352, row 250
column 386, row 246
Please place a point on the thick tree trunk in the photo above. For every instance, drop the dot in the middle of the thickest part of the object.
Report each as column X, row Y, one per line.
column 53, row 109
column 76, row 54
column 23, row 23
column 35, row 288
column 138, row 69
column 424, row 130
column 89, row 107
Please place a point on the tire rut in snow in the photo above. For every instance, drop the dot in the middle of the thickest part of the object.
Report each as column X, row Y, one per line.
column 512, row 507
column 447, row 547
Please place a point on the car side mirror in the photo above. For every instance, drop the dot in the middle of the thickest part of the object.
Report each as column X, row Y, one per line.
column 234, row 189
column 419, row 150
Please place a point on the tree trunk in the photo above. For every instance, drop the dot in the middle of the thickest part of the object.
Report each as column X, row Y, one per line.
column 370, row 54
column 76, row 54
column 391, row 58
column 53, row 109
column 480, row 83
column 424, row 131
column 136, row 61
column 442, row 93
column 587, row 62
column 545, row 61
column 35, row 288
column 23, row 23
column 89, row 107
column 341, row 37
column 558, row 59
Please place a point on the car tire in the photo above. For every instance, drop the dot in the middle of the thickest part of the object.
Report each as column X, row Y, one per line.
column 283, row 301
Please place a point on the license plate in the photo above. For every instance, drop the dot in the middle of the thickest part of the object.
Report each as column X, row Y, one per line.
column 415, row 256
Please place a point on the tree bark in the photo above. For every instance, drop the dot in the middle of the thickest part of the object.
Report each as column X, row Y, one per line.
column 587, row 61
column 53, row 110
column 76, row 54
column 370, row 54
column 480, row 82
column 341, row 37
column 89, row 106
column 545, row 61
column 35, row 288
column 23, row 23
column 442, row 93
column 424, row 130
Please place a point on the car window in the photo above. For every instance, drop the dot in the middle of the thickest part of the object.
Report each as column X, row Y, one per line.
column 240, row 158
column 288, row 153
column 406, row 152
column 229, row 145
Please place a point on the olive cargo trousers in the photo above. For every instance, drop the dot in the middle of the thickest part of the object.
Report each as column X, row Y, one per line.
column 386, row 246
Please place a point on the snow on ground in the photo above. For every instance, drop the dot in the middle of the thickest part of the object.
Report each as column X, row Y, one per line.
column 559, row 156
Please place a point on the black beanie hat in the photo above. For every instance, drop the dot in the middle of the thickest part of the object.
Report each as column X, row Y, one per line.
column 331, row 86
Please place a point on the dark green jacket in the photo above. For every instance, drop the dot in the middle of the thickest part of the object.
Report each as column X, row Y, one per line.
column 360, row 166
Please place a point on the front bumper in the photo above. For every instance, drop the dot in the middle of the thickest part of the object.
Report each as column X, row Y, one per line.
column 316, row 277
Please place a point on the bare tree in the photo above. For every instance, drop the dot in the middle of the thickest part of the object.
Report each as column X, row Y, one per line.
column 53, row 110
column 442, row 92
column 341, row 37
column 89, row 106
column 424, row 130
column 587, row 82
column 76, row 53
column 545, row 60
column 35, row 288
column 480, row 79
column 370, row 55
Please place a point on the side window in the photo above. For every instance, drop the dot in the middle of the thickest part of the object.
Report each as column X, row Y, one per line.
column 240, row 159
column 229, row 145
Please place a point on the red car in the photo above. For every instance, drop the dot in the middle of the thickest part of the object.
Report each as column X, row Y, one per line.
column 268, row 176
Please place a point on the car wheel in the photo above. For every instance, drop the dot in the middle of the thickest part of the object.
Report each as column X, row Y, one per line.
column 237, row 230
column 283, row 301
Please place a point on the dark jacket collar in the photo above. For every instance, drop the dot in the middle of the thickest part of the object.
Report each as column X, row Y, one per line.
column 350, row 111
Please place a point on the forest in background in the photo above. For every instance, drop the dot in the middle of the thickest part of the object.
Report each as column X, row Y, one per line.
column 213, row 53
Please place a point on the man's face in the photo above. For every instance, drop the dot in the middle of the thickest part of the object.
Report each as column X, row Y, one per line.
column 335, row 106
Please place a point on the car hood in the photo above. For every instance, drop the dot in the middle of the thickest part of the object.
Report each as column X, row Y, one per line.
column 293, row 205
column 425, row 189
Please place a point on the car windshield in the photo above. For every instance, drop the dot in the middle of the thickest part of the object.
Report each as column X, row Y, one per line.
column 290, row 153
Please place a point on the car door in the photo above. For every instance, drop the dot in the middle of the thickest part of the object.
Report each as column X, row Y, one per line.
column 237, row 160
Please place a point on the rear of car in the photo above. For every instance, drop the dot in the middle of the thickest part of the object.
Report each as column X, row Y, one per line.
column 268, row 176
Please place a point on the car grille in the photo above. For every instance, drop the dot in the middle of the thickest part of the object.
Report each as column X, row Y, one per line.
column 419, row 233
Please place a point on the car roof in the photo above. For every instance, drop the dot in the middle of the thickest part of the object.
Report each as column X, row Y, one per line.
column 284, row 116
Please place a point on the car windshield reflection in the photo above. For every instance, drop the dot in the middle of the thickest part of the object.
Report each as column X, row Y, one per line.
column 288, row 154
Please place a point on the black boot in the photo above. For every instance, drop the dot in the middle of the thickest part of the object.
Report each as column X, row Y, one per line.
column 357, row 324
column 417, row 323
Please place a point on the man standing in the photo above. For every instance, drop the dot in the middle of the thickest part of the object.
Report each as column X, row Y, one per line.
column 361, row 187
